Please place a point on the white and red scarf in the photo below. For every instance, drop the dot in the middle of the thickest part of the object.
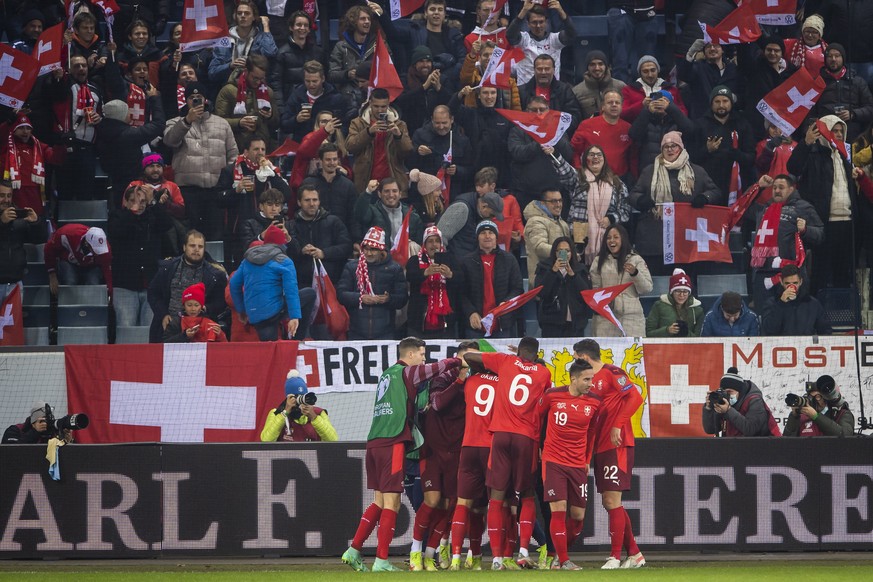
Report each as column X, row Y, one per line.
column 180, row 97
column 735, row 186
column 434, row 288
column 362, row 274
column 767, row 241
column 136, row 103
column 261, row 93
column 13, row 163
column 238, row 168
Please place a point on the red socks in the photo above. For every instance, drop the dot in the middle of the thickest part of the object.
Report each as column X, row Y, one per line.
column 367, row 525
column 459, row 528
column 558, row 531
column 477, row 528
column 495, row 527
column 510, row 530
column 630, row 542
column 387, row 522
column 617, row 523
column 440, row 521
column 574, row 529
column 423, row 519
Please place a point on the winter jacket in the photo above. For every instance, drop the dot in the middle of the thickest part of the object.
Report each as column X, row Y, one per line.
column 265, row 128
column 325, row 232
column 287, row 71
column 814, row 168
column 251, row 229
column 244, row 205
column 461, row 151
column 373, row 321
column 649, row 239
column 802, row 316
column 488, row 132
column 664, row 314
column 262, row 44
column 160, row 288
column 416, row 104
column 417, row 308
column 471, row 75
column 266, row 284
column 344, row 57
column 755, row 421
column 702, row 77
column 849, row 19
column 619, row 210
column 370, row 212
column 560, row 293
column 136, row 245
column 715, row 325
column 835, row 422
column 331, row 100
column 626, row 307
column 648, row 129
column 200, row 150
column 540, row 231
column 850, row 92
column 13, row 257
column 589, row 93
column 360, row 144
column 507, row 284
column 338, row 197
column 759, row 79
column 792, row 209
column 561, row 98
column 406, row 34
column 719, row 163
column 633, row 96
column 532, row 170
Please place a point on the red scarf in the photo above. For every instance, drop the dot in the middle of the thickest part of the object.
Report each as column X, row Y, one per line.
column 84, row 100
column 180, row 97
column 262, row 94
column 767, row 239
column 735, row 186
column 362, row 274
column 13, row 163
column 434, row 287
column 136, row 101
column 204, row 333
column 798, row 53
column 238, row 170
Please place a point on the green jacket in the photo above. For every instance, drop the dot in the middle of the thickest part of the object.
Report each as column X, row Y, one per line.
column 664, row 314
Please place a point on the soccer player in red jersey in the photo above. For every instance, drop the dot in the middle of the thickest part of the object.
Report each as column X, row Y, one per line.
column 568, row 412
column 614, row 450
column 515, row 426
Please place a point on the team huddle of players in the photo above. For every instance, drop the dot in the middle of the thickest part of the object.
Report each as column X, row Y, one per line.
column 493, row 421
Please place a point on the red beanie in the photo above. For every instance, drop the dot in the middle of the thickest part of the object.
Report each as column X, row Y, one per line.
column 196, row 292
column 274, row 236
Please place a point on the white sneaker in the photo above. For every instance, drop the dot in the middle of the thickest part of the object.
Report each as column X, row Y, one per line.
column 611, row 564
column 635, row 561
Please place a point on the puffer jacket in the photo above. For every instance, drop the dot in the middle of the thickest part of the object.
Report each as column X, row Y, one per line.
column 361, row 143
column 288, row 70
column 540, row 231
column 265, row 127
column 850, row 91
column 589, row 93
column 343, row 58
column 326, row 232
column 561, row 292
column 219, row 66
column 715, row 325
column 200, row 151
column 373, row 321
column 270, row 282
column 664, row 314
column 626, row 307
column 647, row 130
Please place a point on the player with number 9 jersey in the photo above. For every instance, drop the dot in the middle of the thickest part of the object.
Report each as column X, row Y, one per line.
column 479, row 392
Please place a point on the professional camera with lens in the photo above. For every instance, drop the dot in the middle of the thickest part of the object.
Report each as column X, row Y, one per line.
column 55, row 426
column 718, row 397
column 308, row 399
column 795, row 401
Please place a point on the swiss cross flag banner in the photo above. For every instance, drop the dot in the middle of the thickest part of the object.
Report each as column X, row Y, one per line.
column 445, row 184
column 738, row 208
column 195, row 392
column 599, row 300
column 840, row 145
column 203, row 25
column 787, row 105
column 497, row 73
column 495, row 12
column 328, row 309
column 289, row 147
column 18, row 73
column 507, row 306
column 109, row 9
column 773, row 12
column 546, row 130
column 401, row 8
column 383, row 74
column 400, row 244
column 737, row 27
column 695, row 234
column 11, row 320
column 49, row 48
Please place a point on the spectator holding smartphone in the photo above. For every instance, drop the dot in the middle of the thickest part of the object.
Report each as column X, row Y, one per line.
column 562, row 311
column 270, row 204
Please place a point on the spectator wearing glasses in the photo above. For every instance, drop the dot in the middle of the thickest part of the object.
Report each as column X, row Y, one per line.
column 730, row 316
column 544, row 225
column 677, row 313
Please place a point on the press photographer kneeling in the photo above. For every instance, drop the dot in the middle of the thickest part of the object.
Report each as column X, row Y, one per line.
column 297, row 418
column 41, row 426
column 737, row 408
column 822, row 412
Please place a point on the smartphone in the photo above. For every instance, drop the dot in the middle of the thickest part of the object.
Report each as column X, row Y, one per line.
column 383, row 117
column 197, row 101
column 306, row 106
column 564, row 255
column 441, row 258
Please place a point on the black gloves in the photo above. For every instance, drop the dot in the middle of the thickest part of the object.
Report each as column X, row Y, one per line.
column 645, row 203
column 699, row 201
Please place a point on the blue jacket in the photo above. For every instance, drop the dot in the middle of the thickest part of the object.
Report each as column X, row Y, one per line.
column 715, row 325
column 219, row 66
column 270, row 282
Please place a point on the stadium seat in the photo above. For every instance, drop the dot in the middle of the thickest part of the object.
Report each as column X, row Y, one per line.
column 36, row 307
column 215, row 248
column 36, row 336
column 132, row 334
column 35, row 274
column 660, row 285
column 82, row 335
column 87, row 212
column 841, row 308
column 718, row 284
column 96, row 295
column 83, row 306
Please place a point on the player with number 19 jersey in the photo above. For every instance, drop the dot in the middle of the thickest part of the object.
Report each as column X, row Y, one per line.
column 620, row 399
column 518, row 391
column 569, row 427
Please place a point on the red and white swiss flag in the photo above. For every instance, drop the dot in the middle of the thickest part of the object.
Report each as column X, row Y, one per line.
column 499, row 69
column 48, row 49
column 11, row 320
column 383, row 74
column 18, row 73
column 737, row 27
column 495, row 12
column 401, row 8
column 837, row 144
column 197, row 392
column 507, row 306
column 203, row 25
column 546, row 130
column 599, row 300
column 400, row 244
column 787, row 105
column 773, row 12
column 695, row 234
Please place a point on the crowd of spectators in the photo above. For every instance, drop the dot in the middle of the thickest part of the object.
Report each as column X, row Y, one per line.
column 185, row 140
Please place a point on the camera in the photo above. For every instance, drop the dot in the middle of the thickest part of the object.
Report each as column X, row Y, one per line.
column 197, row 101
column 796, row 401
column 718, row 397
column 308, row 399
column 75, row 421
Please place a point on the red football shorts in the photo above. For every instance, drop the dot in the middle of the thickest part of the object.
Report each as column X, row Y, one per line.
column 512, row 464
column 613, row 469
column 385, row 468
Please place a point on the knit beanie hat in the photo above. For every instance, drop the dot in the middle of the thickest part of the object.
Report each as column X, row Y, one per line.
column 648, row 59
column 196, row 292
column 835, row 46
column 152, row 159
column 294, row 384
column 116, row 109
column 274, row 236
column 724, row 91
column 680, row 281
column 22, row 121
column 732, row 380
column 815, row 21
column 596, row 55
column 374, row 238
column 430, row 231
column 420, row 53
column 486, row 225
column 37, row 411
column 427, row 183
column 774, row 40
column 673, row 137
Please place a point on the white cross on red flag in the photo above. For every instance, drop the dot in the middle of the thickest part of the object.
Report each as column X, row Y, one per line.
column 773, row 12
column 48, row 49
column 695, row 234
column 546, row 130
column 18, row 73
column 737, row 27
column 499, row 69
column 599, row 300
column 507, row 306
column 400, row 244
column 203, row 25
column 401, row 8
column 11, row 323
column 383, row 74
column 787, row 105
column 837, row 144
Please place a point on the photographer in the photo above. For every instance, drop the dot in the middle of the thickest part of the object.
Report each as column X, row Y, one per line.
column 35, row 429
column 298, row 417
column 823, row 412
column 737, row 408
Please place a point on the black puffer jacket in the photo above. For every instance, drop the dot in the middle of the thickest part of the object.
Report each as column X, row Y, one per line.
column 373, row 321
column 325, row 232
column 718, row 164
column 647, row 131
column 287, row 72
column 559, row 292
column 489, row 135
column 850, row 92
column 13, row 257
column 136, row 245
column 803, row 316
column 507, row 284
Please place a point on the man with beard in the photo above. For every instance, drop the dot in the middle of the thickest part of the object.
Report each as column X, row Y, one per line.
column 24, row 158
column 703, row 68
column 638, row 94
column 596, row 81
column 318, row 235
column 439, row 145
column 424, row 90
column 725, row 144
column 166, row 192
column 763, row 67
column 845, row 95
column 177, row 274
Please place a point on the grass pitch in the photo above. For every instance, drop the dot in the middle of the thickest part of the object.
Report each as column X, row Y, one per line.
column 838, row 568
